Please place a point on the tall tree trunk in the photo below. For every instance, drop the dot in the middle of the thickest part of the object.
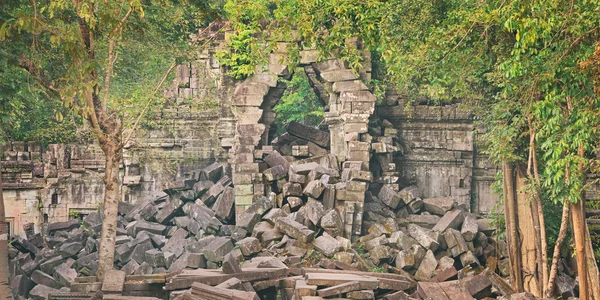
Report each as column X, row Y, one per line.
column 593, row 273
column 512, row 233
column 106, row 251
column 528, row 242
column 540, row 213
column 579, row 234
column 5, row 292
column 562, row 233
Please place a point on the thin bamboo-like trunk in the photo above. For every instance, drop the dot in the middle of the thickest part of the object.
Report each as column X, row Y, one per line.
column 562, row 233
column 540, row 213
column 511, row 227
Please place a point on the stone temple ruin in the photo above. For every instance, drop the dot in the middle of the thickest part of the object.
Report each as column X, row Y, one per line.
column 382, row 203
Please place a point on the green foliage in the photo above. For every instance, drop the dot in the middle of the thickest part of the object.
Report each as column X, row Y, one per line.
column 299, row 103
column 238, row 57
column 378, row 269
column 53, row 64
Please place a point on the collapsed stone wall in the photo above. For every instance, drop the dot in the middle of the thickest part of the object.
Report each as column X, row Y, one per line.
column 213, row 118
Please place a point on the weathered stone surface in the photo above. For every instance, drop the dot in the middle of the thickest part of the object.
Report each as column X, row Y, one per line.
column 216, row 250
column 139, row 251
column 338, row 75
column 20, row 286
column 389, row 197
column 113, row 282
column 451, row 219
column 212, row 172
column 42, row 278
column 130, row 268
column 295, row 230
column 275, row 159
column 468, row 259
column 230, row 265
column 155, row 258
column 426, row 267
column 249, row 246
column 326, row 245
column 361, row 295
column 65, row 275
column 469, row 228
column 422, row 236
column 455, row 242
column 313, row 210
column 314, row 189
column 196, row 260
column 425, row 221
column 439, row 206
column 41, row 292
column 224, row 204
column 310, row 134
column 478, row 286
column 49, row 265
column 66, row 226
column 331, row 222
column 402, row 240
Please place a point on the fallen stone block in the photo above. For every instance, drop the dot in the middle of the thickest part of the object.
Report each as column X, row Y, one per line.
column 64, row 274
column 230, row 265
column 469, row 228
column 155, row 258
column 310, row 134
column 41, row 292
column 451, row 219
column 249, row 246
column 422, row 236
column 212, row 172
column 389, row 197
column 113, row 282
column 50, row 265
column 216, row 250
column 130, row 268
column 327, row 245
column 42, row 278
column 339, row 289
column 314, row 189
column 331, row 222
column 478, row 286
column 295, row 230
column 20, row 286
column 361, row 295
column 425, row 221
column 439, row 206
column 66, row 226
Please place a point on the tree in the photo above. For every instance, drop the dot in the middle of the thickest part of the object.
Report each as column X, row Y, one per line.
column 518, row 63
column 71, row 48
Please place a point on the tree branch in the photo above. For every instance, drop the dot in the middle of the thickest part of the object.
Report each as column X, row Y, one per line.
column 148, row 103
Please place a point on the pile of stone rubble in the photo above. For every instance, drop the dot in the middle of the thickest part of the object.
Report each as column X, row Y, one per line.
column 297, row 221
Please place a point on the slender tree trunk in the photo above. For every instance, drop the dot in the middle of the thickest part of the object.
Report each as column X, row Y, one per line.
column 579, row 234
column 562, row 233
column 106, row 251
column 540, row 213
column 5, row 292
column 593, row 273
column 512, row 234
